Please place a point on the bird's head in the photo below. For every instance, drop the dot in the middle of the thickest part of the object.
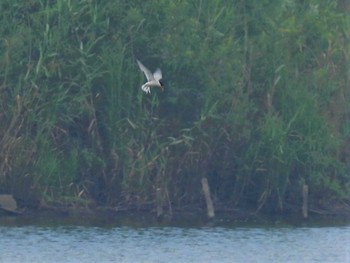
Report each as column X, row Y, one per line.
column 161, row 85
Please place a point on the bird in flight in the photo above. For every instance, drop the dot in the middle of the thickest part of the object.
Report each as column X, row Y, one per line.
column 153, row 80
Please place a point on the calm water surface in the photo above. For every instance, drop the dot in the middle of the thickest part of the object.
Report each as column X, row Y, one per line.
column 67, row 242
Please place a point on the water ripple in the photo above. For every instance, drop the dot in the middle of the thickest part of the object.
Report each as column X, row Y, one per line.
column 174, row 244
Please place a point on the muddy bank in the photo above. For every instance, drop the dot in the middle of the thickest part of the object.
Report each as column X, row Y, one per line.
column 146, row 215
column 151, row 212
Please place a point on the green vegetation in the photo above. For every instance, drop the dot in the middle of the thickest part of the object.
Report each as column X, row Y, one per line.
column 256, row 99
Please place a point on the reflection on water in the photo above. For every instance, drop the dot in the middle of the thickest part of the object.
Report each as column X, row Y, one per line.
column 74, row 243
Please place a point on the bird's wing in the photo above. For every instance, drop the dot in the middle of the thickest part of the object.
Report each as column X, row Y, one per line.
column 145, row 70
column 157, row 74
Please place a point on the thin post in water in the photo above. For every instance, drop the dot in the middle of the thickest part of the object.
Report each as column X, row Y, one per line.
column 305, row 200
column 206, row 191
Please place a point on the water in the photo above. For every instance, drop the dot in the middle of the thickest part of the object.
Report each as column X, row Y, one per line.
column 66, row 242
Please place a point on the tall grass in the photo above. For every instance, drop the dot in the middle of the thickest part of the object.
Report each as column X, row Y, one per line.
column 255, row 100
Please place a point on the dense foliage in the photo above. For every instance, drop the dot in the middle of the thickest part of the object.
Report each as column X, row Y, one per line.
column 256, row 99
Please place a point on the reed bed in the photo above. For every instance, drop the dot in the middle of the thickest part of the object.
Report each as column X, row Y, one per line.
column 255, row 100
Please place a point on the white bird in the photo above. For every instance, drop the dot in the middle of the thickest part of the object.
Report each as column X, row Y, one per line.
column 153, row 80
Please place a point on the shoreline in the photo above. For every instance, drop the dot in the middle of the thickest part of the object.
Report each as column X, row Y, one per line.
column 101, row 215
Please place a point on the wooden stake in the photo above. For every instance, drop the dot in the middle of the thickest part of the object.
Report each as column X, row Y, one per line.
column 206, row 191
column 159, row 203
column 305, row 200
